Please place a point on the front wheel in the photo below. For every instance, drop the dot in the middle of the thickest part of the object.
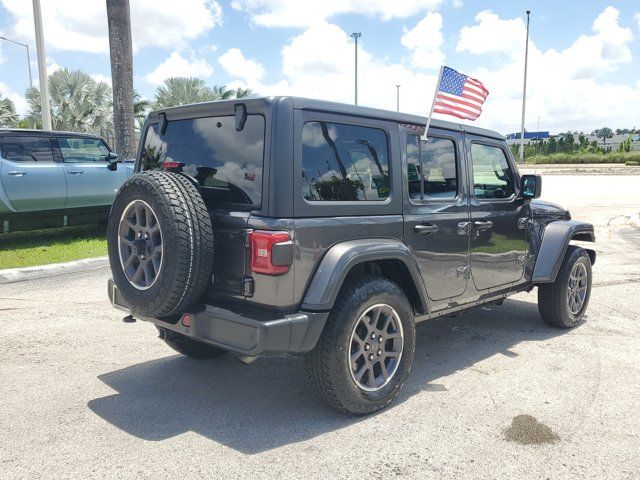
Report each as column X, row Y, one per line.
column 562, row 303
column 364, row 355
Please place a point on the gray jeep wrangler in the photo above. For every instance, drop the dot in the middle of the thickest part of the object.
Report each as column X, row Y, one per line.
column 288, row 225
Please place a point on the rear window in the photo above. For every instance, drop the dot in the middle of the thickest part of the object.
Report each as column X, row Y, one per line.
column 227, row 163
column 344, row 163
column 27, row 149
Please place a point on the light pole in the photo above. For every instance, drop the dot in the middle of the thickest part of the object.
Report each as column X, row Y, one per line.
column 397, row 98
column 42, row 67
column 356, row 36
column 28, row 56
column 524, row 91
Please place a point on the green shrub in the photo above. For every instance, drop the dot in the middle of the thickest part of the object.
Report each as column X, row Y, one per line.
column 613, row 157
column 632, row 163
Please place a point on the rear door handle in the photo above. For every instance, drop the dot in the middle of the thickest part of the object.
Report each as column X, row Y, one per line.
column 482, row 226
column 426, row 229
column 76, row 172
column 17, row 173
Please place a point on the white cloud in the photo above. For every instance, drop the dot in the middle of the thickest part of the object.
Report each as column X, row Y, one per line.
column 178, row 66
column 99, row 77
column 308, row 72
column 493, row 35
column 554, row 93
column 80, row 25
column 236, row 65
column 425, row 42
column 564, row 87
column 18, row 100
column 638, row 19
column 297, row 13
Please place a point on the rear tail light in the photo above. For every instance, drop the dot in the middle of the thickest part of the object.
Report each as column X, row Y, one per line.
column 262, row 251
column 171, row 165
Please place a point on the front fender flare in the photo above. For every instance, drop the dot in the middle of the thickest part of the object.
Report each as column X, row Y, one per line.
column 341, row 258
column 553, row 248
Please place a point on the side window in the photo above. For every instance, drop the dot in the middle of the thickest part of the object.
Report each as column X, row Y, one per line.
column 344, row 163
column 435, row 175
column 492, row 176
column 78, row 149
column 27, row 149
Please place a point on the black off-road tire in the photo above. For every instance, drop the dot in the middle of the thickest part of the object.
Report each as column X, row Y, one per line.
column 553, row 302
column 187, row 239
column 189, row 347
column 328, row 364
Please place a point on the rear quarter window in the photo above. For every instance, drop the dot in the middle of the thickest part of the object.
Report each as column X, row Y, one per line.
column 227, row 163
column 344, row 163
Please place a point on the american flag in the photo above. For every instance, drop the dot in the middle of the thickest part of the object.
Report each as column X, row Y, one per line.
column 460, row 95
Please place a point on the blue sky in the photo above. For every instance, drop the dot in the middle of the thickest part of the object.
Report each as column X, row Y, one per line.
column 584, row 66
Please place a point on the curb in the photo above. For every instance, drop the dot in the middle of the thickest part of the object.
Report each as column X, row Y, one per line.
column 23, row 274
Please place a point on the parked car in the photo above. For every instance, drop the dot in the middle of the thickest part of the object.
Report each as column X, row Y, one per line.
column 56, row 178
column 288, row 225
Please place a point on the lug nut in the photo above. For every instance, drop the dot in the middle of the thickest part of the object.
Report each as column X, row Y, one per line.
column 379, row 352
column 366, row 346
column 371, row 356
column 373, row 336
column 380, row 338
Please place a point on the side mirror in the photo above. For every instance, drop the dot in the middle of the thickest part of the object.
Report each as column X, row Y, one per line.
column 530, row 186
column 112, row 161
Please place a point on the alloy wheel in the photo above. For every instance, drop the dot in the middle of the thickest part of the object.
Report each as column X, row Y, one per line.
column 376, row 347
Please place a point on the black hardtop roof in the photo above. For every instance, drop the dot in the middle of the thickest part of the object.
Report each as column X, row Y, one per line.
column 302, row 103
column 45, row 133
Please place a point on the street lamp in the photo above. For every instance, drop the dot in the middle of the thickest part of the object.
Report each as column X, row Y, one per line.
column 28, row 56
column 397, row 98
column 356, row 36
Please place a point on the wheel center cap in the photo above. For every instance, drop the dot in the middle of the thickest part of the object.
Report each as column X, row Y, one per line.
column 139, row 245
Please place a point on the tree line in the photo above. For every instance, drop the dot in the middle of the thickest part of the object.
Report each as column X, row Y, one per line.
column 79, row 103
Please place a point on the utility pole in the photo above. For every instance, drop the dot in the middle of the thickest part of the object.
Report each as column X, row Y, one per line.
column 524, row 90
column 356, row 36
column 42, row 67
column 28, row 56
column 397, row 98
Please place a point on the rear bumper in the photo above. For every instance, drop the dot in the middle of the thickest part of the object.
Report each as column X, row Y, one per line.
column 243, row 332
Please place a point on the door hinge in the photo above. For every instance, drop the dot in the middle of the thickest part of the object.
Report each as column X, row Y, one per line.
column 464, row 271
column 524, row 260
column 523, row 223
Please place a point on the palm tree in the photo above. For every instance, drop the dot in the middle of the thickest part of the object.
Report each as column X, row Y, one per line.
column 141, row 107
column 119, row 21
column 8, row 115
column 78, row 103
column 184, row 90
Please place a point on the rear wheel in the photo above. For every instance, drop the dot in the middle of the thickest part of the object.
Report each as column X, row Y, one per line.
column 364, row 355
column 562, row 303
column 189, row 347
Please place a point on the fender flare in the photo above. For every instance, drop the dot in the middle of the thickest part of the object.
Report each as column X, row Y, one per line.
column 342, row 257
column 553, row 248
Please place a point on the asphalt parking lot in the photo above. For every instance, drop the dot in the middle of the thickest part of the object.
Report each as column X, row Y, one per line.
column 493, row 393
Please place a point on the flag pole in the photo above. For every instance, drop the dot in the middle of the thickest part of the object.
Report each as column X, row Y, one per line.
column 433, row 104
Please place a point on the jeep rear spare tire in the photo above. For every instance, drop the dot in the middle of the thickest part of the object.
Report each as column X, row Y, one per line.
column 160, row 243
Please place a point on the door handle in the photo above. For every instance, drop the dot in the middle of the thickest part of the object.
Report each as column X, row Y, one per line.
column 17, row 173
column 426, row 229
column 482, row 226
column 75, row 172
